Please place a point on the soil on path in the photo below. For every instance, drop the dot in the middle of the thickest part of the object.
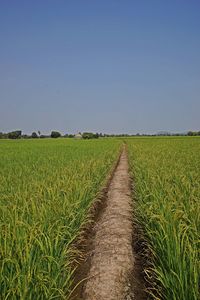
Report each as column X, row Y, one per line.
column 114, row 270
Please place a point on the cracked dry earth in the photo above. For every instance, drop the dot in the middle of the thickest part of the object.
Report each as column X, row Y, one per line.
column 112, row 259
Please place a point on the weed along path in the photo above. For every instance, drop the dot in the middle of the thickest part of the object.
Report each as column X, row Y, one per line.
column 111, row 255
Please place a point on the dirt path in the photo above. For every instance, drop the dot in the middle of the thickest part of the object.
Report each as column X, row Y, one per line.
column 111, row 255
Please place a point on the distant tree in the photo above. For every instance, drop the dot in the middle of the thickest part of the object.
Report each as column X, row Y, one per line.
column 15, row 134
column 190, row 133
column 3, row 135
column 26, row 136
column 90, row 135
column 87, row 135
column 55, row 134
column 34, row 135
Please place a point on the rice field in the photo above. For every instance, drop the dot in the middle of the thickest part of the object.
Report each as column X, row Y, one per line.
column 167, row 185
column 46, row 189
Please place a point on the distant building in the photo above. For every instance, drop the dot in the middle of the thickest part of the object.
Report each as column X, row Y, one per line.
column 78, row 136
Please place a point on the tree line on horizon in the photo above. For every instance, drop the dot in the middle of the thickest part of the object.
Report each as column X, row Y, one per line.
column 17, row 134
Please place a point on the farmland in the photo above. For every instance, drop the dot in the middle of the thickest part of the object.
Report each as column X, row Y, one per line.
column 46, row 189
column 167, row 187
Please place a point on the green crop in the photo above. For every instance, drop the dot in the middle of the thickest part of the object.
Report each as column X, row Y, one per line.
column 167, row 186
column 46, row 189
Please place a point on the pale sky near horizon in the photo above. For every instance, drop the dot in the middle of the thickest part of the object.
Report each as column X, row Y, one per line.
column 102, row 66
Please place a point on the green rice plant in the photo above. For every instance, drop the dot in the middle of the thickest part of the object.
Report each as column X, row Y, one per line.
column 167, row 191
column 47, row 187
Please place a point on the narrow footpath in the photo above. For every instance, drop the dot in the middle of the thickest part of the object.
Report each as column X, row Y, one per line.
column 112, row 259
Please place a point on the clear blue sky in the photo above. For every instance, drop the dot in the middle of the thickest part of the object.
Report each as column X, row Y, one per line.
column 106, row 66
